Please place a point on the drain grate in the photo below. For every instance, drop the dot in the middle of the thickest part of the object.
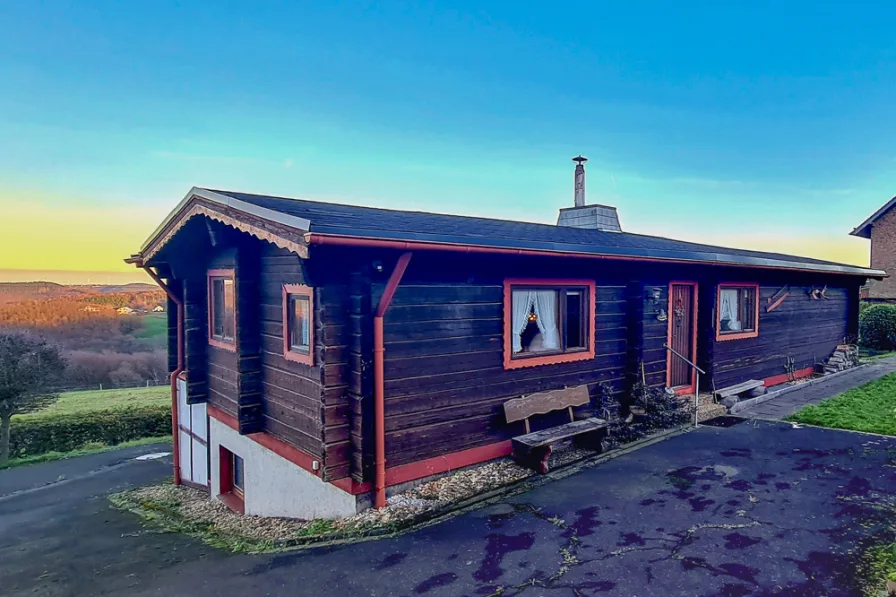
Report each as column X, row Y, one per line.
column 723, row 421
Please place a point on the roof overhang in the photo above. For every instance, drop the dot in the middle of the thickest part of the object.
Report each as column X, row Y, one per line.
column 863, row 230
column 280, row 229
column 334, row 236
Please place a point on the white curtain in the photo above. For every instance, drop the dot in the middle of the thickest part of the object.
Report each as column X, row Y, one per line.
column 522, row 304
column 729, row 308
column 546, row 310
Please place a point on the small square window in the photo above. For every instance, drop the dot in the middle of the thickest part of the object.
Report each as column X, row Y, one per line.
column 222, row 309
column 737, row 311
column 298, row 323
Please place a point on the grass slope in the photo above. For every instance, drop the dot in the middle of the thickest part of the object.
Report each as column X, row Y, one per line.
column 155, row 325
column 871, row 408
column 94, row 400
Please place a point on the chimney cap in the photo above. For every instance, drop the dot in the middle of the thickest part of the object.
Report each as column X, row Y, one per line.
column 580, row 160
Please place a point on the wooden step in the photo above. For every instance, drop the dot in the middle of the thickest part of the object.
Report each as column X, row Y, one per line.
column 740, row 388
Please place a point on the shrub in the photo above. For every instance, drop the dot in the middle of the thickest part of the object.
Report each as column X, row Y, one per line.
column 30, row 435
column 877, row 327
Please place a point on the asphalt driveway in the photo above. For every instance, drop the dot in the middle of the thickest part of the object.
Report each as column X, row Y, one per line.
column 759, row 508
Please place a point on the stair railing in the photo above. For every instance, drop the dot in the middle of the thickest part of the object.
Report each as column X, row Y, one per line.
column 697, row 384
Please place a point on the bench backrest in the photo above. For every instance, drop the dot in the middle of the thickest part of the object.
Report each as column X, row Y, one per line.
column 542, row 403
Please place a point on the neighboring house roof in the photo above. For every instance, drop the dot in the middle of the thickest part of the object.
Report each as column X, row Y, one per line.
column 317, row 219
column 864, row 229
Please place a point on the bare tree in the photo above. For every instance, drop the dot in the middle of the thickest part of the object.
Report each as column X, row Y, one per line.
column 28, row 367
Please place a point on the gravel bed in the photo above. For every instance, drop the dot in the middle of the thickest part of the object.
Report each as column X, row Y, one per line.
column 193, row 508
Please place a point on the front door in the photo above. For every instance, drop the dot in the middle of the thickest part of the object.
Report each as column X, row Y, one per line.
column 682, row 334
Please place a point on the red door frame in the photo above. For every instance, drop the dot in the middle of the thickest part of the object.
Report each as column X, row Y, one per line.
column 689, row 389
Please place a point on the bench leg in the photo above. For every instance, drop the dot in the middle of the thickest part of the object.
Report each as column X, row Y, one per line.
column 536, row 459
column 591, row 441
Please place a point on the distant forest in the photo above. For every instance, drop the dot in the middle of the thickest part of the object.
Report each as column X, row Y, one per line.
column 102, row 346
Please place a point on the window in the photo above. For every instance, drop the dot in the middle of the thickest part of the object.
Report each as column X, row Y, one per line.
column 547, row 322
column 236, row 478
column 298, row 327
column 231, row 480
column 222, row 309
column 737, row 311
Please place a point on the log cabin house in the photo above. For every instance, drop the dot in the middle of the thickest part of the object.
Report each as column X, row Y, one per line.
column 324, row 354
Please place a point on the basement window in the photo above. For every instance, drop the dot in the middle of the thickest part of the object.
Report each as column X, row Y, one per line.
column 222, row 309
column 298, row 325
column 232, row 481
column 737, row 311
column 548, row 322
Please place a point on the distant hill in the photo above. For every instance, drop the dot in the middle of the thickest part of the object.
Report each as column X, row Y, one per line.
column 133, row 287
column 15, row 292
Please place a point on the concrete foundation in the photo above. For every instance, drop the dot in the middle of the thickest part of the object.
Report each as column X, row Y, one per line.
column 274, row 486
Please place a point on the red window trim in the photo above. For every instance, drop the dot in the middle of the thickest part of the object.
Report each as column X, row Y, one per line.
column 570, row 357
column 217, row 342
column 230, row 497
column 288, row 354
column 669, row 356
column 720, row 337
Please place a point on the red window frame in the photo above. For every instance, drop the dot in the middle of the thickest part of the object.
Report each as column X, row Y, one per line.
column 288, row 353
column 231, row 496
column 552, row 359
column 216, row 274
column 725, row 336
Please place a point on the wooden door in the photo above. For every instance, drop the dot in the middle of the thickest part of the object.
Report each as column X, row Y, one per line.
column 682, row 333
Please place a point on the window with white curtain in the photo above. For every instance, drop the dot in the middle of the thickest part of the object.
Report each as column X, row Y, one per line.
column 549, row 320
column 737, row 310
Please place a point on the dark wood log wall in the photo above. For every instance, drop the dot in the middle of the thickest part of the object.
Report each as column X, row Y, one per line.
column 292, row 409
column 804, row 329
column 445, row 383
column 223, row 364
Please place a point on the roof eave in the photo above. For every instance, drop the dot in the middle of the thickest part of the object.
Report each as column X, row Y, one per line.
column 336, row 236
column 863, row 230
column 220, row 200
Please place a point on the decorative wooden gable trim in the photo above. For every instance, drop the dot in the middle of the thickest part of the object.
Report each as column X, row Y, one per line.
column 258, row 229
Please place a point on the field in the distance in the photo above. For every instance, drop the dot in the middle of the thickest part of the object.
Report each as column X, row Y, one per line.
column 93, row 400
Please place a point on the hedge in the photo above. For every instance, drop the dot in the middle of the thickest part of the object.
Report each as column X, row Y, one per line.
column 877, row 327
column 30, row 435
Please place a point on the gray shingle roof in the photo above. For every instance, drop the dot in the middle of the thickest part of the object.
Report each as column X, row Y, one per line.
column 388, row 224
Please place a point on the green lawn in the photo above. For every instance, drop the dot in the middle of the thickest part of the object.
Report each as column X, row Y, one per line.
column 92, row 448
column 92, row 400
column 155, row 325
column 871, row 408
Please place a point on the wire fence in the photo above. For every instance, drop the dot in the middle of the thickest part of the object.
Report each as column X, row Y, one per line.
column 149, row 383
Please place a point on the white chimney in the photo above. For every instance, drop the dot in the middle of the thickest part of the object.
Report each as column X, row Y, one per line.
column 595, row 216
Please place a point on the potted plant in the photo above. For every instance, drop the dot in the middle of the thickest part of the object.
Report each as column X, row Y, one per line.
column 891, row 583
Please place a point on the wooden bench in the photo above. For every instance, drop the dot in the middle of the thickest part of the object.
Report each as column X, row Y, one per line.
column 741, row 388
column 534, row 448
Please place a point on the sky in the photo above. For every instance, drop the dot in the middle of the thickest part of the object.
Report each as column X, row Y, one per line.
column 756, row 125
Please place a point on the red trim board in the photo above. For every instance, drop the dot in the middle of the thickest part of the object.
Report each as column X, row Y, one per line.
column 278, row 447
column 779, row 379
column 394, row 475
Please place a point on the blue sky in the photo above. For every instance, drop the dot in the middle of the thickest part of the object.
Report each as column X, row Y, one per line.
column 755, row 125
